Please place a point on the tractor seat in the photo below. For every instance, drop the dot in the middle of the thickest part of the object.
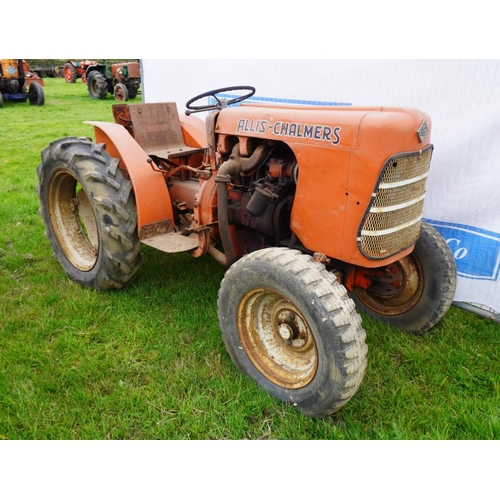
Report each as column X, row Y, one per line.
column 157, row 129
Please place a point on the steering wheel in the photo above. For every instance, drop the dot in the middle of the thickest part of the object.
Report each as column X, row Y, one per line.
column 221, row 102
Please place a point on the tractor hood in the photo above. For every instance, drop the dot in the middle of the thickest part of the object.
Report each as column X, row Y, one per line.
column 335, row 127
column 341, row 153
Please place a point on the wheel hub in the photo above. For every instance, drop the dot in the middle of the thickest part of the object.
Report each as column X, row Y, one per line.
column 399, row 293
column 277, row 338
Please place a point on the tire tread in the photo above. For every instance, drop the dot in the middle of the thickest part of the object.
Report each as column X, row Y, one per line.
column 111, row 193
column 337, row 308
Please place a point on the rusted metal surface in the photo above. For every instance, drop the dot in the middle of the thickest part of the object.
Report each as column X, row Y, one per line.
column 395, row 289
column 277, row 338
column 322, row 258
column 154, row 229
column 133, row 70
column 30, row 76
column 121, row 115
column 73, row 221
column 204, row 242
column 158, row 131
column 173, row 242
column 85, row 212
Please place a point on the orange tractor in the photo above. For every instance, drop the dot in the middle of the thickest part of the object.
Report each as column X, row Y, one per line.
column 19, row 83
column 73, row 70
column 315, row 211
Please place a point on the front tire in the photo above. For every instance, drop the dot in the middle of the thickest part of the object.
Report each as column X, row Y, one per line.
column 36, row 95
column 290, row 326
column 89, row 213
column 120, row 92
column 424, row 288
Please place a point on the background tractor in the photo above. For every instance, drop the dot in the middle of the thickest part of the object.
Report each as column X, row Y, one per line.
column 315, row 211
column 73, row 70
column 123, row 80
column 18, row 83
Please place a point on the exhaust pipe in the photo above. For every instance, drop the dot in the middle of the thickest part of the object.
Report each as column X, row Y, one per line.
column 227, row 171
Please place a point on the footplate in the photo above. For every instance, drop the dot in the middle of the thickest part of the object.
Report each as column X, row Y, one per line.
column 173, row 242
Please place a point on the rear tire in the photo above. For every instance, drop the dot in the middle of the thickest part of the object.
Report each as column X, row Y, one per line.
column 89, row 213
column 426, row 287
column 290, row 326
column 69, row 73
column 97, row 85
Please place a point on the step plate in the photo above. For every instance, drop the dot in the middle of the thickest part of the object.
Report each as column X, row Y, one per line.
column 173, row 242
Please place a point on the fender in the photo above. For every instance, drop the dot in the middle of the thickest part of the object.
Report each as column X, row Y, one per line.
column 151, row 193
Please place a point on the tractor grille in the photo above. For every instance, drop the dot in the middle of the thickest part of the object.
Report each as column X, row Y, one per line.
column 392, row 222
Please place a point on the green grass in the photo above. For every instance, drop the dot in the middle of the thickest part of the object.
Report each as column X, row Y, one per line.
column 148, row 362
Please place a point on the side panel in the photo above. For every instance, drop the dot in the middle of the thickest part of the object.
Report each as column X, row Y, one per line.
column 321, row 139
column 151, row 193
column 320, row 204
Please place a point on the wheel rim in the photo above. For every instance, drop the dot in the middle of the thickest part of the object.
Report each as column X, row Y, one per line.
column 119, row 95
column 67, row 74
column 408, row 285
column 277, row 338
column 73, row 221
column 33, row 94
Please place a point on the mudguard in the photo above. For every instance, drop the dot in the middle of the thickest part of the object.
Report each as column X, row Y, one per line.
column 151, row 193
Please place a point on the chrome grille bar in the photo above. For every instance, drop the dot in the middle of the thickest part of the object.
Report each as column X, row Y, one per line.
column 392, row 221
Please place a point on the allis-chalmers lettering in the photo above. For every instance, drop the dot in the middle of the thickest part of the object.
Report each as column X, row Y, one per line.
column 291, row 129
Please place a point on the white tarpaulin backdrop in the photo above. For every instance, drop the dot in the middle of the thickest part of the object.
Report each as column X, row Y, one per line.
column 461, row 96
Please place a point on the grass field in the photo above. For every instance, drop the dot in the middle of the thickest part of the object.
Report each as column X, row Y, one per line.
column 147, row 362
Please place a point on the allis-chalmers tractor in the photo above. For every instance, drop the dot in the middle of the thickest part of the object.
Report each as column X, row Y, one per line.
column 315, row 211
column 18, row 83
column 123, row 80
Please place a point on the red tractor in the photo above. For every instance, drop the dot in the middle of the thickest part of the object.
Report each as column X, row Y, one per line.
column 72, row 70
column 315, row 211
